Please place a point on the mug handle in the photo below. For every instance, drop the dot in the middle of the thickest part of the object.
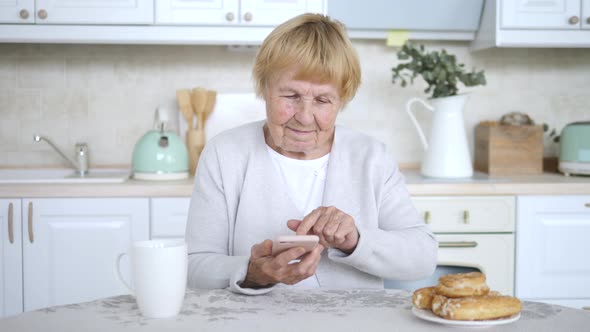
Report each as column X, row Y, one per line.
column 415, row 122
column 120, row 275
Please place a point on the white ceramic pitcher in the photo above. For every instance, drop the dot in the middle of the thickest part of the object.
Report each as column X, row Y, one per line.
column 446, row 152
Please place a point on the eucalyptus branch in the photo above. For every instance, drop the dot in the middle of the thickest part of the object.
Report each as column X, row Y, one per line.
column 439, row 70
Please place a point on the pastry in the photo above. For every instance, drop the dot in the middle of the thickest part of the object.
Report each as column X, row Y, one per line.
column 462, row 284
column 437, row 303
column 422, row 297
column 476, row 307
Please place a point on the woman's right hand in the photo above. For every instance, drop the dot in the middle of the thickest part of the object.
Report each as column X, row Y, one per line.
column 265, row 270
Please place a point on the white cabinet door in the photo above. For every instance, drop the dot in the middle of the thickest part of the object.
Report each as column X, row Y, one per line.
column 11, row 277
column 553, row 242
column 168, row 217
column 231, row 12
column 70, row 246
column 95, row 12
column 274, row 12
column 17, row 11
column 197, row 12
column 547, row 14
column 586, row 14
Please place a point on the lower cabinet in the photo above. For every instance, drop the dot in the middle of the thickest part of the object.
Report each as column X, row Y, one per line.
column 168, row 217
column 553, row 244
column 69, row 248
column 11, row 263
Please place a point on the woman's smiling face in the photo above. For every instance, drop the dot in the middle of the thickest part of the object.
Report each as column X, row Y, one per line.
column 300, row 116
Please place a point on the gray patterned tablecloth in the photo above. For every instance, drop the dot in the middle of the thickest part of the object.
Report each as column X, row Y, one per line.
column 281, row 310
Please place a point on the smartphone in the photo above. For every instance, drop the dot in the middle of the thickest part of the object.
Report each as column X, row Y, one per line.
column 284, row 242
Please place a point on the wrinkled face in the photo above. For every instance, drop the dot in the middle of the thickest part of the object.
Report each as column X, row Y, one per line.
column 300, row 116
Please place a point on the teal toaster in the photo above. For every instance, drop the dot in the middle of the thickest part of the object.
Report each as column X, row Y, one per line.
column 574, row 148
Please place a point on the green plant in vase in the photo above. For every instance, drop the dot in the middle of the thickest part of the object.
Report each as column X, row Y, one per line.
column 446, row 150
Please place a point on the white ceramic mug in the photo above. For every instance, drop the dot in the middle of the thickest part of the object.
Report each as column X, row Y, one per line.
column 159, row 273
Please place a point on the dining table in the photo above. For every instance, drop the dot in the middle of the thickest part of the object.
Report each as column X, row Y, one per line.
column 282, row 309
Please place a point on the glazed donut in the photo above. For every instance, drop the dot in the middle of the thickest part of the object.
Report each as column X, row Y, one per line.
column 477, row 307
column 462, row 284
column 422, row 297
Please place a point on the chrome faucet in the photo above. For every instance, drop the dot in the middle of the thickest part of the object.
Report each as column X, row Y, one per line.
column 81, row 165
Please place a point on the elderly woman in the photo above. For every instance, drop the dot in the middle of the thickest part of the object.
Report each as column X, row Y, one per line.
column 299, row 172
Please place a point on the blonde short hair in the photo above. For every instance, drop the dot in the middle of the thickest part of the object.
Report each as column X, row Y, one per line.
column 314, row 44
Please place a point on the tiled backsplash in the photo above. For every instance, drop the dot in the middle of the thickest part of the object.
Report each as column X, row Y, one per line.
column 106, row 94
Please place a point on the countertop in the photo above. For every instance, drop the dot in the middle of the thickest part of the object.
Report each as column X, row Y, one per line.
column 281, row 310
column 479, row 184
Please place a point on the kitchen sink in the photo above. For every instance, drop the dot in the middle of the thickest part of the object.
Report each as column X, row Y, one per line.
column 41, row 175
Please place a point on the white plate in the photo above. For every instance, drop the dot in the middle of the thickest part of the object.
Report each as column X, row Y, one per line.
column 429, row 316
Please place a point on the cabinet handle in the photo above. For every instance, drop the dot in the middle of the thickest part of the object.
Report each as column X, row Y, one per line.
column 10, row 224
column 31, row 237
column 588, row 19
column 230, row 16
column 248, row 17
column 427, row 217
column 587, row 205
column 458, row 244
column 574, row 20
column 42, row 13
column 24, row 14
column 466, row 217
column 585, row 308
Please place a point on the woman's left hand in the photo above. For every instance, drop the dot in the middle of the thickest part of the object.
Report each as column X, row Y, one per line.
column 335, row 228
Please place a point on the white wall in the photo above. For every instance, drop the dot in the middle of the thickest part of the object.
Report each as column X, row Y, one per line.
column 106, row 94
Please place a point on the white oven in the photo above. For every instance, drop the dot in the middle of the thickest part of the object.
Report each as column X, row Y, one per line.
column 475, row 233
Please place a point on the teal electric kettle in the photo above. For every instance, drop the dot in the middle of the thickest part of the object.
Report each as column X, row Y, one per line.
column 160, row 154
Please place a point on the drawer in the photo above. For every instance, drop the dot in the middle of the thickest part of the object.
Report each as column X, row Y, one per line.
column 467, row 214
column 168, row 217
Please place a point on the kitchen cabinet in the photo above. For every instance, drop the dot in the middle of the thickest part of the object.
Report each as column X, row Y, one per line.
column 17, row 11
column 77, row 12
column 168, row 217
column 471, row 237
column 11, row 278
column 234, row 12
column 206, row 22
column 551, row 23
column 69, row 248
column 552, row 263
column 552, row 14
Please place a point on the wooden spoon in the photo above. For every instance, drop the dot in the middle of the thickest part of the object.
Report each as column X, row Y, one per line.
column 183, row 98
column 210, row 105
column 199, row 100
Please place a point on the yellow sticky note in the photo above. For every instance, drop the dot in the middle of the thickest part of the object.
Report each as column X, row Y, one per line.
column 396, row 37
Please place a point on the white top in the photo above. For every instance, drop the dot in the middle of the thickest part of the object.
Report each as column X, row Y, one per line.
column 305, row 181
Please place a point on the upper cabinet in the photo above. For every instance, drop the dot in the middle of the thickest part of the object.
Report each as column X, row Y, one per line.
column 549, row 14
column 17, row 11
column 147, row 21
column 528, row 23
column 94, row 12
column 232, row 12
column 77, row 12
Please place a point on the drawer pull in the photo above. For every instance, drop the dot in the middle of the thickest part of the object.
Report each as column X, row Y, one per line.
column 466, row 216
column 587, row 205
column 427, row 217
column 31, row 237
column 585, row 308
column 457, row 244
column 10, row 224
